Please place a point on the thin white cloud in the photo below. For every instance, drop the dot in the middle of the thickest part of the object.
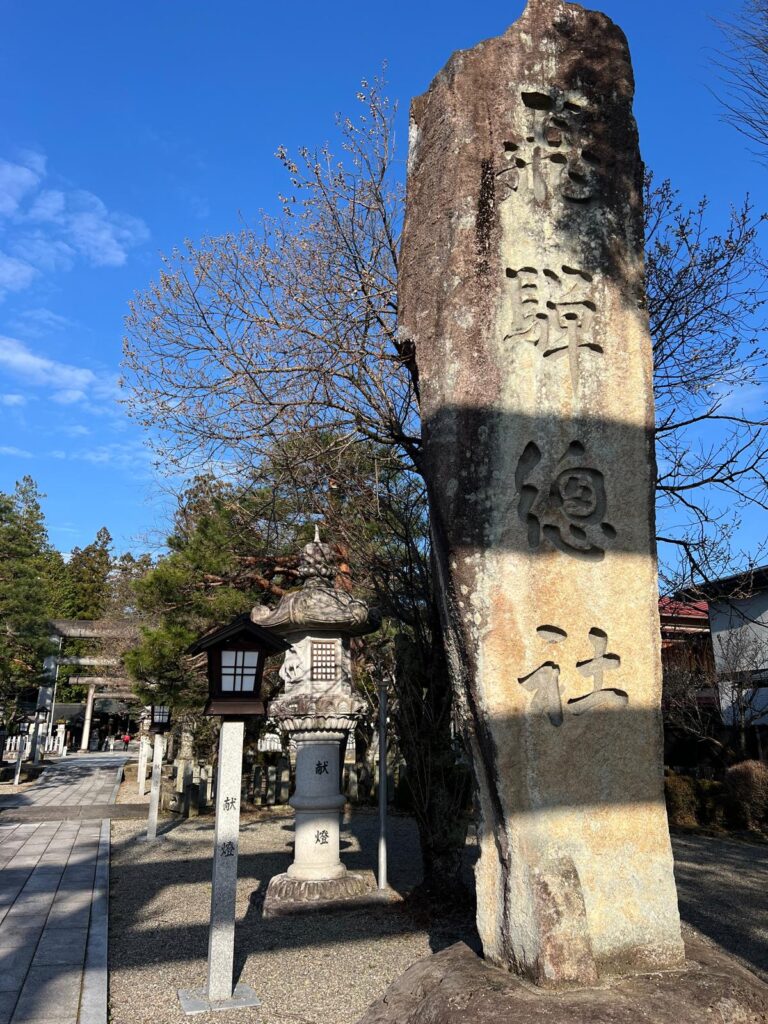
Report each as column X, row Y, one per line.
column 69, row 396
column 17, row 180
column 39, row 321
column 19, row 360
column 19, row 452
column 13, row 399
column 48, row 205
column 104, row 238
column 15, row 274
column 132, row 455
column 50, row 229
column 33, row 159
column 75, row 430
column 42, row 252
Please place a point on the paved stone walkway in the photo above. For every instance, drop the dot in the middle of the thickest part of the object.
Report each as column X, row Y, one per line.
column 54, row 891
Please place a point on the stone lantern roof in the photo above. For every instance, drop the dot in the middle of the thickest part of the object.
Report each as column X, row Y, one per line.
column 317, row 605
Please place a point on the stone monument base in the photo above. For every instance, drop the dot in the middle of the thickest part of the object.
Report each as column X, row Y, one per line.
column 195, row 1000
column 288, row 895
column 456, row 986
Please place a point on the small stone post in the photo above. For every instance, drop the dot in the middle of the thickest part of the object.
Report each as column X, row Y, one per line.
column 218, row 993
column 141, row 776
column 284, row 780
column 204, row 791
column 34, row 751
column 221, row 940
column 19, row 759
column 154, row 794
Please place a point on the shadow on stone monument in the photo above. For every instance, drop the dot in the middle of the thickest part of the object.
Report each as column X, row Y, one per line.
column 521, row 293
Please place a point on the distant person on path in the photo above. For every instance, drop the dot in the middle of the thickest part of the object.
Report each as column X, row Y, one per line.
column 126, row 740
column 111, row 743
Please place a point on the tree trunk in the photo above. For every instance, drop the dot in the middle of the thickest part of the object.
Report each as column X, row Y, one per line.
column 439, row 783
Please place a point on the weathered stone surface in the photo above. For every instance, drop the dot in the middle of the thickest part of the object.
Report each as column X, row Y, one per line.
column 317, row 710
column 221, row 935
column 456, row 986
column 522, row 292
column 288, row 895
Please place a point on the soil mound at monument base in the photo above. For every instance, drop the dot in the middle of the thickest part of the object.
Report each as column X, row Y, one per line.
column 456, row 986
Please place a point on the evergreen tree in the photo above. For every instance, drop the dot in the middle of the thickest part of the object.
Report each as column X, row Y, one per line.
column 87, row 588
column 221, row 562
column 30, row 578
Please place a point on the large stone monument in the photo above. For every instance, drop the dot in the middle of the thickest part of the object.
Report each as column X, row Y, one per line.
column 317, row 710
column 522, row 292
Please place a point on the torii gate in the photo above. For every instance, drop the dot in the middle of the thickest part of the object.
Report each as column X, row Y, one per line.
column 110, row 686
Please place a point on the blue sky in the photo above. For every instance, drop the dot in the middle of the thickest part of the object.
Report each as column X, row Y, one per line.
column 125, row 128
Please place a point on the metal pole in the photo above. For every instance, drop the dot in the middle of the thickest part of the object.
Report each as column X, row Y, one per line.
column 382, row 881
column 55, row 684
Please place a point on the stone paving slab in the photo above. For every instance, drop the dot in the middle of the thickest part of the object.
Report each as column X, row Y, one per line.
column 79, row 780
column 54, row 891
column 80, row 812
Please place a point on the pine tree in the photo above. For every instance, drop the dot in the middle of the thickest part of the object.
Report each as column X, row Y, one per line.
column 30, row 573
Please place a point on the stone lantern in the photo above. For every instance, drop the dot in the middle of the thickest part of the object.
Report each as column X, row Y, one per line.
column 317, row 710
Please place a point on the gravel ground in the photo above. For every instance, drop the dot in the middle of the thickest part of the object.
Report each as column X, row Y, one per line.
column 129, row 791
column 307, row 969
column 722, row 887
column 326, row 969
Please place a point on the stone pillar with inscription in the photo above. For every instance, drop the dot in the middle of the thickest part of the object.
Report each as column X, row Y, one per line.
column 317, row 710
column 220, row 991
column 521, row 292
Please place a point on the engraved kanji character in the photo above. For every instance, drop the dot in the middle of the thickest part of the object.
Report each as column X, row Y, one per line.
column 554, row 312
column 596, row 667
column 556, row 155
column 566, row 506
column 544, row 682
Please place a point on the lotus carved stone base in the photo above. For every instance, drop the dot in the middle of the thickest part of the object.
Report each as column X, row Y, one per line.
column 287, row 895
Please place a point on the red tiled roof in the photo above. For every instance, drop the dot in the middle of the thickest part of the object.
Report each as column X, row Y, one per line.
column 668, row 606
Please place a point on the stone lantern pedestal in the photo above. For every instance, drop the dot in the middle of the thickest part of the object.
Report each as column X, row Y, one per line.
column 317, row 710
column 317, row 875
column 318, row 802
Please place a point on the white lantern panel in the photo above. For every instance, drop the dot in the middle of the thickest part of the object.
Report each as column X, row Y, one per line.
column 238, row 671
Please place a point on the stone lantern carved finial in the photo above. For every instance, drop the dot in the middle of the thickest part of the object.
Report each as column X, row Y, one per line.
column 317, row 563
